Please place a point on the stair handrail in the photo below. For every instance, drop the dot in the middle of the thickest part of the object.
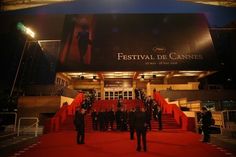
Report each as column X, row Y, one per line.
column 185, row 122
column 63, row 112
column 15, row 118
column 28, row 118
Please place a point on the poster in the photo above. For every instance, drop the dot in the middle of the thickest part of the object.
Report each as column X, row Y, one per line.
column 108, row 42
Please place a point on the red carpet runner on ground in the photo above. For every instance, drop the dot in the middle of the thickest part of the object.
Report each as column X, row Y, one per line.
column 171, row 142
column 167, row 143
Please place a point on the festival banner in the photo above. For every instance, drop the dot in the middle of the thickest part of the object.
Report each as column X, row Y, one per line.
column 110, row 42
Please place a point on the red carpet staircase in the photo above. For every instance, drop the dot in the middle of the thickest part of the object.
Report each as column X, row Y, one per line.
column 168, row 122
column 63, row 120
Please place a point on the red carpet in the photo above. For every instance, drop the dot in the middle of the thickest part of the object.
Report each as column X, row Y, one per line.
column 170, row 143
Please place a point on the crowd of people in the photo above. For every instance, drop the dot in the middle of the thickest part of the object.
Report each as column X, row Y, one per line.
column 104, row 119
column 136, row 119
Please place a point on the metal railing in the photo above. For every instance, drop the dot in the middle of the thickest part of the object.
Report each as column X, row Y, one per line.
column 223, row 119
column 228, row 116
column 28, row 118
column 15, row 117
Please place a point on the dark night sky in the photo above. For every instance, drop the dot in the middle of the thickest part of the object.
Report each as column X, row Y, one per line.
column 217, row 15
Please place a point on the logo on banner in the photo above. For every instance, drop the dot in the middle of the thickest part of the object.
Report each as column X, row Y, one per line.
column 156, row 54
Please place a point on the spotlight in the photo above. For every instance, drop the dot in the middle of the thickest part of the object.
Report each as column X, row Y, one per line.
column 94, row 78
column 142, row 77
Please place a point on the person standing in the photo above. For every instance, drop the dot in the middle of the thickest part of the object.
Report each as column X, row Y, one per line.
column 123, row 120
column 119, row 103
column 155, row 111
column 131, row 123
column 149, row 106
column 206, row 118
column 140, row 127
column 118, row 119
column 111, row 118
column 101, row 120
column 159, row 116
column 80, row 125
column 94, row 116
column 148, row 119
column 106, row 120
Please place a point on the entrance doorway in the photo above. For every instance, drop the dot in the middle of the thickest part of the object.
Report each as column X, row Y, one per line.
column 115, row 93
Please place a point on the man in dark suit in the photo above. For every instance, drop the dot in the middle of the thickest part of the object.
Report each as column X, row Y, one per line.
column 155, row 111
column 159, row 116
column 79, row 125
column 94, row 116
column 118, row 119
column 140, row 127
column 101, row 120
column 148, row 119
column 111, row 117
column 131, row 123
column 106, row 120
column 206, row 123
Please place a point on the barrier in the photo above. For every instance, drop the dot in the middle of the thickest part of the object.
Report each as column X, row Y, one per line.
column 229, row 123
column 28, row 118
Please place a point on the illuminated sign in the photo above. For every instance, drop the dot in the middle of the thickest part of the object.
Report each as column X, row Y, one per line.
column 137, row 42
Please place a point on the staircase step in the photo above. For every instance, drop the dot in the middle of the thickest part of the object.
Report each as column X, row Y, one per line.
column 168, row 122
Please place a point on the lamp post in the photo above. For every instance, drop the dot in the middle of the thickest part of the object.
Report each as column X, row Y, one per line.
column 29, row 33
